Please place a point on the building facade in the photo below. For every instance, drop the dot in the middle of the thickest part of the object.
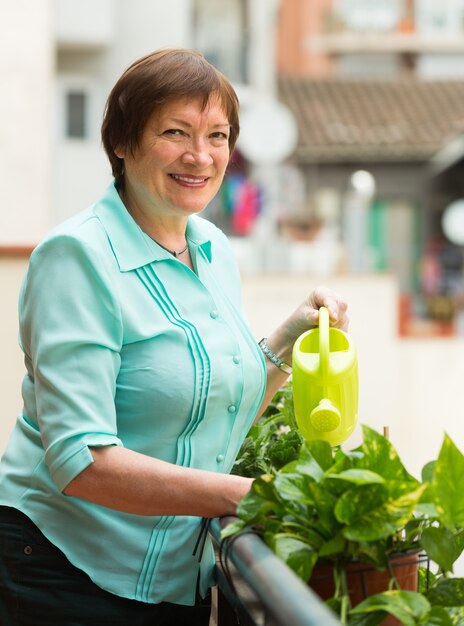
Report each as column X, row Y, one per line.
column 377, row 87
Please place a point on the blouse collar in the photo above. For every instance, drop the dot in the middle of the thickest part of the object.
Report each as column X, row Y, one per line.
column 131, row 246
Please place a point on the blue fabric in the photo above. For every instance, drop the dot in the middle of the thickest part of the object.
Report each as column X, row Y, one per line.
column 125, row 345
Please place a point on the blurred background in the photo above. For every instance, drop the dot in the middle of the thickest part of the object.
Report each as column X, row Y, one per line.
column 349, row 171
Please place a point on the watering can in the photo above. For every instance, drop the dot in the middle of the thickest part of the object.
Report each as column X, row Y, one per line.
column 325, row 383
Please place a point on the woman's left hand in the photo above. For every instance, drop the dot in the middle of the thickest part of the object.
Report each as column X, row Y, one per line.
column 306, row 315
column 323, row 296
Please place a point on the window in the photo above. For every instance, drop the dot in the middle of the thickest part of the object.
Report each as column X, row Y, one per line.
column 438, row 18
column 226, row 53
column 75, row 114
column 78, row 108
column 369, row 15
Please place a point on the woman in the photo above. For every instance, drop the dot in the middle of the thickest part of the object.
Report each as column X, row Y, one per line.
column 142, row 375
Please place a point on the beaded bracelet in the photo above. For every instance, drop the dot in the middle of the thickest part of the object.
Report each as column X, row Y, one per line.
column 273, row 357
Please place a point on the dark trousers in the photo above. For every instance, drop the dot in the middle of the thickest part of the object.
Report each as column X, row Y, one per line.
column 40, row 587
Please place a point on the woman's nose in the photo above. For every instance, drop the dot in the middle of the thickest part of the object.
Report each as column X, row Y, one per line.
column 197, row 153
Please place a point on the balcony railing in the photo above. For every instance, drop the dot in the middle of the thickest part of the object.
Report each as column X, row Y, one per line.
column 371, row 43
column 255, row 588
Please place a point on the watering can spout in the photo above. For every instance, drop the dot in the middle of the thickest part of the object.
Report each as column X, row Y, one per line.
column 325, row 417
column 325, row 383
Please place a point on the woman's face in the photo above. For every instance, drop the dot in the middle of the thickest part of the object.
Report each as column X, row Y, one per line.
column 180, row 161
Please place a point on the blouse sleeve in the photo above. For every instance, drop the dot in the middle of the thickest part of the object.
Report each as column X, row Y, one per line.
column 71, row 334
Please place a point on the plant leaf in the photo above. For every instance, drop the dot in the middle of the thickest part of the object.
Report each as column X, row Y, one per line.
column 321, row 452
column 359, row 476
column 372, row 528
column 427, row 509
column 299, row 556
column 428, row 472
column 409, row 607
column 381, row 457
column 233, row 528
column 440, row 545
column 324, row 504
column 371, row 552
column 377, row 519
column 336, row 545
column 448, row 484
column 310, row 469
column 456, row 616
column 253, row 507
column 287, row 407
column 438, row 616
column 367, row 619
column 248, row 462
column 264, row 487
column 284, row 449
column 313, row 457
column 356, row 503
column 426, row 579
column 447, row 592
column 306, row 533
column 293, row 487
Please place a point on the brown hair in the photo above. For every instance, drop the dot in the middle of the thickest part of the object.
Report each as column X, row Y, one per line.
column 151, row 82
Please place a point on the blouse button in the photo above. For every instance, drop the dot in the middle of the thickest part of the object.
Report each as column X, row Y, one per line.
column 231, row 408
column 27, row 550
column 214, row 314
column 236, row 359
column 220, row 458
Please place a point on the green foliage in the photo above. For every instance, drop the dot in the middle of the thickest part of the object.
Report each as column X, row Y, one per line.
column 273, row 441
column 313, row 503
column 408, row 606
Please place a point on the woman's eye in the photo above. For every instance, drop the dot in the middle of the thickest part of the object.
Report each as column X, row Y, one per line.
column 220, row 135
column 173, row 131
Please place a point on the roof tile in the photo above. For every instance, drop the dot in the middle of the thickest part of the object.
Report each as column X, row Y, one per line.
column 355, row 120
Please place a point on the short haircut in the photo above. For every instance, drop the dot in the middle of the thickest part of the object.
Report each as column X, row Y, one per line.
column 153, row 81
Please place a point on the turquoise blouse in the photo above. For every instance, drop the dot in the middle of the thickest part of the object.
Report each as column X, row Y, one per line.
column 124, row 345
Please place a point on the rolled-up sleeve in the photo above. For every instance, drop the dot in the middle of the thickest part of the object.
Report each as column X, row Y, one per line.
column 71, row 333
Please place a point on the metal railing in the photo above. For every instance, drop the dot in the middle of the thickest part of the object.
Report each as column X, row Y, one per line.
column 259, row 588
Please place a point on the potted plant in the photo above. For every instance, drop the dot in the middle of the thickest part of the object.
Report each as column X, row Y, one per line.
column 320, row 507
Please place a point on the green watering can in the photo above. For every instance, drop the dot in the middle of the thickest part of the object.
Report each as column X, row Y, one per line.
column 325, row 383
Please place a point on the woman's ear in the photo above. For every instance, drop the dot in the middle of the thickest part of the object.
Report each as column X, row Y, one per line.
column 120, row 152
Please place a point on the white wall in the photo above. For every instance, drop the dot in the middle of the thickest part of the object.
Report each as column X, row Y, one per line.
column 429, row 396
column 26, row 65
column 81, row 173
column 144, row 25
column 440, row 67
column 11, row 361
column 73, row 26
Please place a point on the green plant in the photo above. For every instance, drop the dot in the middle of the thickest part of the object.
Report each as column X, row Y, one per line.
column 273, row 441
column 330, row 505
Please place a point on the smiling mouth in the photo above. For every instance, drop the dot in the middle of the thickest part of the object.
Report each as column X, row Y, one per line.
column 191, row 180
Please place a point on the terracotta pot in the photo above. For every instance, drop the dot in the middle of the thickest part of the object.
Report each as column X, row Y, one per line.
column 363, row 580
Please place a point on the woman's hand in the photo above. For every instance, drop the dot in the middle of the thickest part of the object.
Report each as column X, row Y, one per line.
column 304, row 317
column 307, row 314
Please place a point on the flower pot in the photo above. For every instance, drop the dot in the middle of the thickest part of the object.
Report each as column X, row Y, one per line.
column 363, row 580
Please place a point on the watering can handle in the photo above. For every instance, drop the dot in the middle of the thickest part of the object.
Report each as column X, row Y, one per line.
column 324, row 323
